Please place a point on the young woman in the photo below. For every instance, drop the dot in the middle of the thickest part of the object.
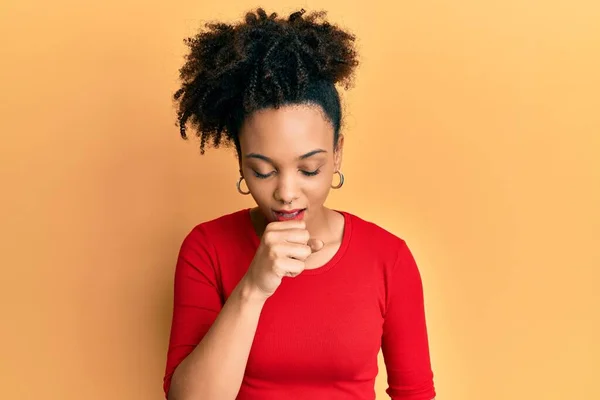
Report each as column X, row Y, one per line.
column 288, row 300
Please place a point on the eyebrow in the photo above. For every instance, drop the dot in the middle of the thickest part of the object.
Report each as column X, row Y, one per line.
column 302, row 157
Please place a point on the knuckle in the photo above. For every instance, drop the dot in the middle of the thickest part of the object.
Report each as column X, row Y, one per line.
column 272, row 227
column 307, row 250
column 281, row 272
column 273, row 254
column 278, row 263
column 269, row 237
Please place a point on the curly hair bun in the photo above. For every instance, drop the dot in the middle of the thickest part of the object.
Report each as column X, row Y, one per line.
column 264, row 61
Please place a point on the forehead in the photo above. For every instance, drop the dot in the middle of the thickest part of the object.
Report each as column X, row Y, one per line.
column 287, row 131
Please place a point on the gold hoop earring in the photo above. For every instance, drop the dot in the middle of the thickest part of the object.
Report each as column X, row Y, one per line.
column 341, row 182
column 239, row 186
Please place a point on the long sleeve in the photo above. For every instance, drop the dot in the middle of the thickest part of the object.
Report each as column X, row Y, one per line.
column 197, row 299
column 405, row 344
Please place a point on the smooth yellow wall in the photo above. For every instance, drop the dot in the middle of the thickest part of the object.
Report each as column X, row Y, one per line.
column 473, row 132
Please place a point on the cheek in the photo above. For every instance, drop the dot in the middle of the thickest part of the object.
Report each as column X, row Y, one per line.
column 260, row 190
column 318, row 188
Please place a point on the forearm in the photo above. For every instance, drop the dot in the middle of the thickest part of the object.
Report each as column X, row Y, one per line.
column 215, row 369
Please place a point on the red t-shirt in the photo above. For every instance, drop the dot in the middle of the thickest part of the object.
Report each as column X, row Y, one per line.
column 319, row 334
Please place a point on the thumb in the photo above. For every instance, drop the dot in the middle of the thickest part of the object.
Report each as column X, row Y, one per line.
column 315, row 244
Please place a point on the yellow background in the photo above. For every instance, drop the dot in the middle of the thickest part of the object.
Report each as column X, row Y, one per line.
column 472, row 132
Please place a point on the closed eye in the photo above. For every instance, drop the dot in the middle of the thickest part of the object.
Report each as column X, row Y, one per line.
column 262, row 176
column 305, row 173
column 311, row 173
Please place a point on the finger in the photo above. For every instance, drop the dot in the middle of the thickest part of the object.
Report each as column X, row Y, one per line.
column 290, row 267
column 283, row 225
column 295, row 251
column 300, row 236
column 315, row 244
column 296, row 236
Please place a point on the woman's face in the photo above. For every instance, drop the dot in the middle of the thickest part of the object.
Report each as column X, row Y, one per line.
column 288, row 160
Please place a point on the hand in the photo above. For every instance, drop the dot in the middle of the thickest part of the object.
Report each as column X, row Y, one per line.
column 283, row 249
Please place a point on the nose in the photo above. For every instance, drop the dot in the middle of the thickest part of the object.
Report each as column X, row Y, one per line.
column 287, row 189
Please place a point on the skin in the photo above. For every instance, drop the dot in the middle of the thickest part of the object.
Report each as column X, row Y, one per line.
column 281, row 150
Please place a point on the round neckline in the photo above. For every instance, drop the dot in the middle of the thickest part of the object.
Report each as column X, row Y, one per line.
column 346, row 235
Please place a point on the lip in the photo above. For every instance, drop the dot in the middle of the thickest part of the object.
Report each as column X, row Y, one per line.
column 289, row 215
column 288, row 211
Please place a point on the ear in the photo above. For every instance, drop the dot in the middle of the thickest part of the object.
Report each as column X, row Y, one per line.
column 338, row 152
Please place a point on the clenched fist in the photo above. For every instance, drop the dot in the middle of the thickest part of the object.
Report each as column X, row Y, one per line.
column 284, row 247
